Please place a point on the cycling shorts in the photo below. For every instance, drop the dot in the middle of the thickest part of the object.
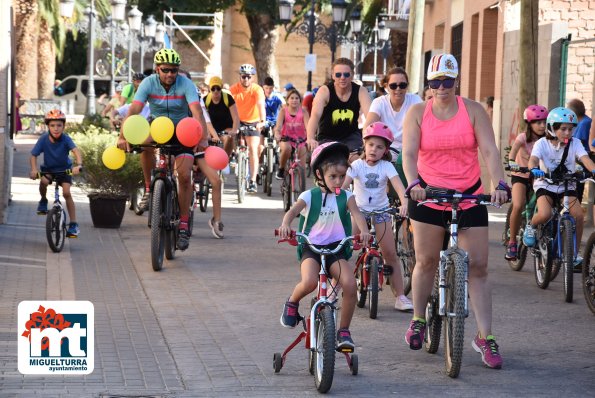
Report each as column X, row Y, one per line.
column 59, row 178
column 476, row 216
column 556, row 197
column 330, row 259
column 520, row 180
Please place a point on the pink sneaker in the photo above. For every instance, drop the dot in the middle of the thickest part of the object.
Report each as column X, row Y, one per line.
column 489, row 351
column 415, row 334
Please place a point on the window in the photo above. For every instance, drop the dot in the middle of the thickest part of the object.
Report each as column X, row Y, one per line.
column 66, row 87
column 456, row 46
column 101, row 87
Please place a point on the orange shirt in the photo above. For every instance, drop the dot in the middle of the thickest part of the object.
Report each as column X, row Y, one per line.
column 247, row 100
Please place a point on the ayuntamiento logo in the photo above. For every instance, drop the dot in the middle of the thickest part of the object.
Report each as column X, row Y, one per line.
column 56, row 337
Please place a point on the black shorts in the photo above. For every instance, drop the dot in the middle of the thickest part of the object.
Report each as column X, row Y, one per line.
column 354, row 141
column 520, row 180
column 59, row 178
column 556, row 197
column 181, row 150
column 330, row 259
column 476, row 216
column 250, row 132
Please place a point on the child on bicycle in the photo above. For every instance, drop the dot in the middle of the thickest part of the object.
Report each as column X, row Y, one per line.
column 291, row 124
column 548, row 154
column 55, row 146
column 535, row 117
column 329, row 164
column 370, row 176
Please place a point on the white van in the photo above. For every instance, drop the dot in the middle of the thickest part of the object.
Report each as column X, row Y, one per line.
column 75, row 88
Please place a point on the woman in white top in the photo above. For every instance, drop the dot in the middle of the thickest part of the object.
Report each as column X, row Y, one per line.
column 391, row 108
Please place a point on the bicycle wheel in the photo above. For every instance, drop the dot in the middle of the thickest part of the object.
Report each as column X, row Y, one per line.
column 567, row 234
column 299, row 183
column 361, row 288
column 242, row 174
column 122, row 68
column 543, row 257
column 406, row 252
column 102, row 67
column 325, row 349
column 191, row 214
column 506, row 232
column 433, row 319
column 454, row 330
column 588, row 279
column 286, row 192
column 517, row 265
column 373, row 286
column 270, row 171
column 171, row 227
column 203, row 194
column 55, row 229
column 157, row 225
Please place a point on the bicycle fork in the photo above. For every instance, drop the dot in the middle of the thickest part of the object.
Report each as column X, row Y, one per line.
column 444, row 266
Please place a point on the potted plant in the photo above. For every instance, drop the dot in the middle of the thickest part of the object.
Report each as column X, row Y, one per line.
column 107, row 189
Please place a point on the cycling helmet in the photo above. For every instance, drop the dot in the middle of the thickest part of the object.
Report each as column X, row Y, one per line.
column 559, row 115
column 138, row 76
column 323, row 151
column 535, row 112
column 54, row 114
column 247, row 69
column 380, row 130
column 167, row 56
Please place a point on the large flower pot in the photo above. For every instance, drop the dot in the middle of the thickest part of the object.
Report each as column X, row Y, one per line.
column 107, row 211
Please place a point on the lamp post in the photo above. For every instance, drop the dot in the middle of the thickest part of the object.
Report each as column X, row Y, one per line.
column 355, row 23
column 118, row 14
column 149, row 31
column 384, row 36
column 134, row 25
column 315, row 31
column 160, row 34
column 91, row 60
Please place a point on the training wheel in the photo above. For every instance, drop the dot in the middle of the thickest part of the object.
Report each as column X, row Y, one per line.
column 277, row 362
column 354, row 364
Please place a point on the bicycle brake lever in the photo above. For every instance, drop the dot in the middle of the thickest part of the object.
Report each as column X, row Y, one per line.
column 291, row 241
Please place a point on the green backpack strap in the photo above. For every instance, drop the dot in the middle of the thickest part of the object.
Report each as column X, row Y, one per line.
column 345, row 220
column 208, row 99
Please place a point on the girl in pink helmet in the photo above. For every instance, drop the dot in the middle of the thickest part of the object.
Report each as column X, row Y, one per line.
column 370, row 176
column 535, row 117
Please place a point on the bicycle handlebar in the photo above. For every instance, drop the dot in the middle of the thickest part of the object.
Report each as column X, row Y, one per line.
column 294, row 242
column 556, row 178
column 68, row 172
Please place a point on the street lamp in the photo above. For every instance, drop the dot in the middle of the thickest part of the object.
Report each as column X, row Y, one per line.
column 66, row 8
column 118, row 14
column 160, row 34
column 355, row 22
column 134, row 24
column 149, row 32
column 315, row 31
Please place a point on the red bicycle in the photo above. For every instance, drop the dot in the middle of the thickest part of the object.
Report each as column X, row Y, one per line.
column 319, row 327
column 369, row 268
column 294, row 182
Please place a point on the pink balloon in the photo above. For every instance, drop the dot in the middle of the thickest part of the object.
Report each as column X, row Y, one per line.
column 189, row 131
column 216, row 158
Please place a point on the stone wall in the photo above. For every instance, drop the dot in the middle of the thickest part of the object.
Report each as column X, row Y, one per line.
column 5, row 142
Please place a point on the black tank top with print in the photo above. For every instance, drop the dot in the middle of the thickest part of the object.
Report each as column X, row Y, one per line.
column 339, row 119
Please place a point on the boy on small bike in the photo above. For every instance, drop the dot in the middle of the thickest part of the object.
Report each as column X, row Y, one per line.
column 548, row 154
column 329, row 164
column 56, row 146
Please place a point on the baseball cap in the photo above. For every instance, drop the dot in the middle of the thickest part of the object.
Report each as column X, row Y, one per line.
column 215, row 81
column 443, row 65
column 289, row 86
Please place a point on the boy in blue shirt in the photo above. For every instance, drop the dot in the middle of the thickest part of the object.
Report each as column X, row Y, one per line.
column 56, row 146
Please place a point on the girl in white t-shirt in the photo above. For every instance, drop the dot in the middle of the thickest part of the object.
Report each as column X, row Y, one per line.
column 370, row 176
column 546, row 156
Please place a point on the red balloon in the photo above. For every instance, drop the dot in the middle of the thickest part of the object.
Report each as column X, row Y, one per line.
column 216, row 158
column 189, row 131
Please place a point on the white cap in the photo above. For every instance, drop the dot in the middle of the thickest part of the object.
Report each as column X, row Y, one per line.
column 443, row 65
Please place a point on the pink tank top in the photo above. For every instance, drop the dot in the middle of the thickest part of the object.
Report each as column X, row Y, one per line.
column 293, row 126
column 448, row 151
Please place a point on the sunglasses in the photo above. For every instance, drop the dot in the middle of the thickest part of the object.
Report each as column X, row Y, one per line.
column 169, row 70
column 344, row 74
column 246, row 76
column 215, row 88
column 446, row 83
column 402, row 85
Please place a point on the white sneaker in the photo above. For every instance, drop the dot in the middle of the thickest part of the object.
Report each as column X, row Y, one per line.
column 403, row 304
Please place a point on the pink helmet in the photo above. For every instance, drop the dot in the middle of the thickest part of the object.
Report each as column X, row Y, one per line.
column 535, row 112
column 380, row 130
column 323, row 151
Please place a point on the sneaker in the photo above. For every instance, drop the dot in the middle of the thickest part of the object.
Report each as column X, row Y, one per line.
column 280, row 174
column 183, row 239
column 73, row 230
column 289, row 317
column 511, row 252
column 144, row 202
column 529, row 236
column 578, row 265
column 415, row 334
column 344, row 341
column 403, row 304
column 216, row 228
column 252, row 187
column 42, row 207
column 489, row 351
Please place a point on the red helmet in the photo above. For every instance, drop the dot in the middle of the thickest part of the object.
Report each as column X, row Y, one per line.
column 380, row 130
column 535, row 112
column 54, row 114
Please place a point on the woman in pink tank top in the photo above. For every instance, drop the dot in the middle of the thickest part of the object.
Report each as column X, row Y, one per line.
column 291, row 126
column 441, row 141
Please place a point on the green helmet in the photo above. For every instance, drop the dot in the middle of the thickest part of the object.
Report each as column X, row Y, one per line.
column 167, row 56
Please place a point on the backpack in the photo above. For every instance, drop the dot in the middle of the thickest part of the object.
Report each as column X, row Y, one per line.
column 223, row 94
column 306, row 223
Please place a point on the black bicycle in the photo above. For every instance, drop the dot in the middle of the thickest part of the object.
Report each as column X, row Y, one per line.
column 266, row 168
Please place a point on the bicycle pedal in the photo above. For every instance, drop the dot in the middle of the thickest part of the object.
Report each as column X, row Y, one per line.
column 345, row 350
column 42, row 213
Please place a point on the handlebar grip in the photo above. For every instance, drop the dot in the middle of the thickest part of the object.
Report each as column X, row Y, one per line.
column 484, row 198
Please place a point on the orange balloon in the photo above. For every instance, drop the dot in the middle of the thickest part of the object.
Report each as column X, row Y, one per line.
column 189, row 131
column 216, row 157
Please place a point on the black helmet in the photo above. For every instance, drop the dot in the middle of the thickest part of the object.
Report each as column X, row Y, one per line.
column 138, row 76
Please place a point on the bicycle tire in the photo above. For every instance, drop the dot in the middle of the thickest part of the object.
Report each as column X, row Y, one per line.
column 191, row 212
column 373, row 286
column 567, row 234
column 325, row 349
column 157, row 227
column 588, row 273
column 55, row 229
column 518, row 264
column 299, row 183
column 171, row 228
column 543, row 257
column 135, row 199
column 361, row 288
column 286, row 192
column 203, row 194
column 270, row 171
column 454, row 330
column 242, row 174
column 101, row 67
column 122, row 69
column 406, row 252
column 506, row 233
column 433, row 319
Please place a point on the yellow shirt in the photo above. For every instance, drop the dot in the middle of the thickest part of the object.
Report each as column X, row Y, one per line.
column 247, row 100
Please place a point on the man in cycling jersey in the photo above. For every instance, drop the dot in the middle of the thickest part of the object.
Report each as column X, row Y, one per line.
column 130, row 89
column 249, row 99
column 173, row 96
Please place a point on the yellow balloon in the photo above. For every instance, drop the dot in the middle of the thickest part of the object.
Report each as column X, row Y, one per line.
column 162, row 129
column 136, row 129
column 113, row 157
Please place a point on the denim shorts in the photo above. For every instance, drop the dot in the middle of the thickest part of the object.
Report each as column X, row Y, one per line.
column 378, row 218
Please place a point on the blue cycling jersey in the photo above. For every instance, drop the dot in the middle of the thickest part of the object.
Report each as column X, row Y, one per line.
column 173, row 103
column 272, row 106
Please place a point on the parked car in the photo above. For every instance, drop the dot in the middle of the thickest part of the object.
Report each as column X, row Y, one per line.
column 75, row 88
